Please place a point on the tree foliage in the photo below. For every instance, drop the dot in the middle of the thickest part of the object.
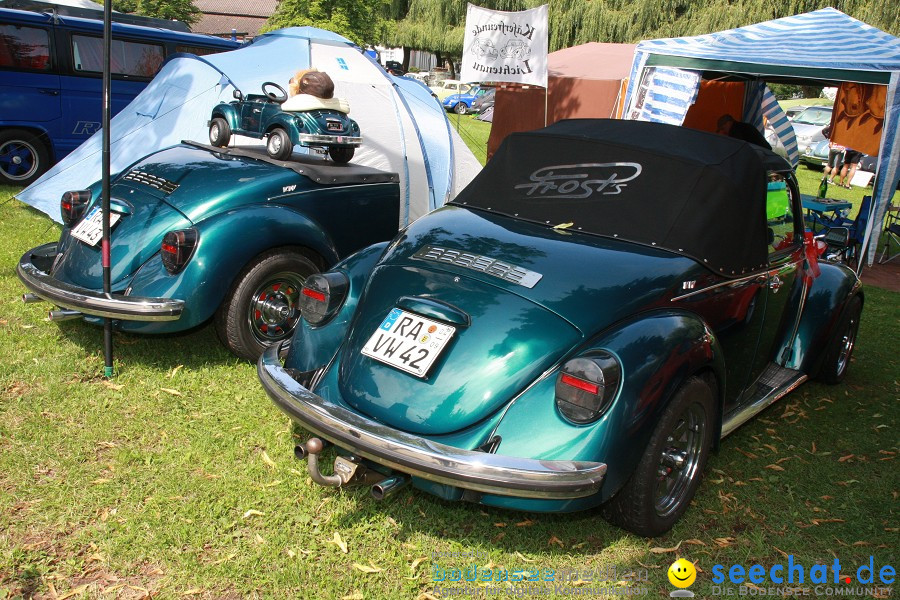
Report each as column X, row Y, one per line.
column 362, row 21
column 181, row 10
column 438, row 25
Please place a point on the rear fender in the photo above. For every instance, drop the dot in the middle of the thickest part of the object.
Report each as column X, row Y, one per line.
column 658, row 352
column 228, row 241
column 828, row 297
column 314, row 347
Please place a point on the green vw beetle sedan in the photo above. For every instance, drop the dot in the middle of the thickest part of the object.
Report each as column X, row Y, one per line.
column 579, row 328
column 202, row 233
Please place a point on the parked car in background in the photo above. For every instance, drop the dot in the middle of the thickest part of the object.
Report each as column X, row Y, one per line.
column 322, row 124
column 203, row 233
column 462, row 103
column 394, row 68
column 448, row 87
column 485, row 101
column 578, row 328
column 808, row 126
column 793, row 111
column 816, row 155
column 51, row 68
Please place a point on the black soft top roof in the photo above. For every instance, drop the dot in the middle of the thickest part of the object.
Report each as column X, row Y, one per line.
column 695, row 193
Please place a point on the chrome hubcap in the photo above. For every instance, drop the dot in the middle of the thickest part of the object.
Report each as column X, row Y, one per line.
column 679, row 462
column 847, row 343
column 274, row 310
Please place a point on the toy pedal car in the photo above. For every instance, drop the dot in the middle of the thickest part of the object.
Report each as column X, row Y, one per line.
column 311, row 122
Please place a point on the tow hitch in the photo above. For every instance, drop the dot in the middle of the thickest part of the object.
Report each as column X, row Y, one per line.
column 348, row 471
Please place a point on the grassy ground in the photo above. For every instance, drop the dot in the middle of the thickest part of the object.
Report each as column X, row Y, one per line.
column 473, row 132
column 175, row 479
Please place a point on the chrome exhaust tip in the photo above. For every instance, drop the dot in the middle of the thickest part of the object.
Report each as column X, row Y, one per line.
column 389, row 486
column 64, row 314
column 31, row 298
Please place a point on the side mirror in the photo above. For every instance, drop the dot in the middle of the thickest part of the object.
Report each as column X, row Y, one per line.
column 237, row 95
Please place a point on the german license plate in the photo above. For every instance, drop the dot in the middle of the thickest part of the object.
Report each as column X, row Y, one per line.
column 333, row 126
column 408, row 342
column 90, row 230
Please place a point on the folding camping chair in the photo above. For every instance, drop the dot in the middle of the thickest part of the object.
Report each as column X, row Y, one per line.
column 857, row 232
column 891, row 235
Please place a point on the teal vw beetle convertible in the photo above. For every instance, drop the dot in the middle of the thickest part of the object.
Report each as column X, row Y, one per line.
column 580, row 327
column 203, row 233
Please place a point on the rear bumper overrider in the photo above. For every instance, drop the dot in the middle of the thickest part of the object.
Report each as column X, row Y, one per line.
column 420, row 457
column 32, row 270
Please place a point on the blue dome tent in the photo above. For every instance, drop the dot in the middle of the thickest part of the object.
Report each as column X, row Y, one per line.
column 404, row 128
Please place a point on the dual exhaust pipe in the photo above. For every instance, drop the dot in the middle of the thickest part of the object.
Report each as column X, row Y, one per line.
column 58, row 315
column 348, row 470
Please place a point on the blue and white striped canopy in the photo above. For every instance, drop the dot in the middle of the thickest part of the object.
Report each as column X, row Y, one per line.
column 817, row 43
column 824, row 46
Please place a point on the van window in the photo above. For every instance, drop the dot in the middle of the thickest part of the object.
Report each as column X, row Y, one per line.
column 137, row 59
column 24, row 48
column 198, row 50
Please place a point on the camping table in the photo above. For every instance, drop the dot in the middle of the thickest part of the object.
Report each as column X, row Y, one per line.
column 817, row 207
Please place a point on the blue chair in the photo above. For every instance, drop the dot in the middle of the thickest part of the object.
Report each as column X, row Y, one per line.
column 857, row 229
column 891, row 235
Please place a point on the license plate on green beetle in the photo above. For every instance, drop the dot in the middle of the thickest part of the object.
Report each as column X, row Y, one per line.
column 90, row 230
column 408, row 342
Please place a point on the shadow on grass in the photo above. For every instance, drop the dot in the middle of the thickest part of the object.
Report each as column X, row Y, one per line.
column 193, row 348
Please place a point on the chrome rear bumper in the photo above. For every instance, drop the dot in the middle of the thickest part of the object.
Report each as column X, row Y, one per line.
column 408, row 453
column 87, row 301
column 332, row 140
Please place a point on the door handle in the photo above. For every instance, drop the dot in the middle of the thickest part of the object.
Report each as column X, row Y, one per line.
column 49, row 92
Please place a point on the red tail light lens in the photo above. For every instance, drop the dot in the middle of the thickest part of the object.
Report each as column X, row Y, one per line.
column 587, row 386
column 72, row 205
column 322, row 296
column 178, row 248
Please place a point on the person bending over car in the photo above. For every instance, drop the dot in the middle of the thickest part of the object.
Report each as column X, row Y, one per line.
column 727, row 125
column 311, row 89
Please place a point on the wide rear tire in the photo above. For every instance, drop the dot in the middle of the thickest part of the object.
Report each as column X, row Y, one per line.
column 840, row 350
column 341, row 154
column 262, row 307
column 670, row 470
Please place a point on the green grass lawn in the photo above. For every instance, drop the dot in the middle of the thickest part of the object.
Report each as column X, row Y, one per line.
column 176, row 479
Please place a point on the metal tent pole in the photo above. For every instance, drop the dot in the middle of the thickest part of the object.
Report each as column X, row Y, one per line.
column 107, row 285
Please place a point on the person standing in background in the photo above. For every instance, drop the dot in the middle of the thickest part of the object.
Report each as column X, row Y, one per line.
column 835, row 157
column 851, row 162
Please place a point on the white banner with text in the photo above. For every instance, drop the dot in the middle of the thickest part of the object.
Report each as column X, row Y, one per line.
column 505, row 46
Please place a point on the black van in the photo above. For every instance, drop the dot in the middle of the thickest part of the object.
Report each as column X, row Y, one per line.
column 51, row 68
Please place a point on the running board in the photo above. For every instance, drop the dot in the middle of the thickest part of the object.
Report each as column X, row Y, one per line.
column 774, row 383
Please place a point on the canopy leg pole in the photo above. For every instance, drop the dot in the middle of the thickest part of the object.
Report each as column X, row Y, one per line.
column 105, row 258
column 546, row 103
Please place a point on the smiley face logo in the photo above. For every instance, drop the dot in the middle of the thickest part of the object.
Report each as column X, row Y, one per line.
column 682, row 573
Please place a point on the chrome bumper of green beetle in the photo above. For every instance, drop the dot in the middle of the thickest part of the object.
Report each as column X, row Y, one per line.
column 87, row 301
column 335, row 140
column 420, row 457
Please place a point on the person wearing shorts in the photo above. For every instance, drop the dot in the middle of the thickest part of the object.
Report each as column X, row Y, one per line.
column 851, row 162
column 835, row 157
